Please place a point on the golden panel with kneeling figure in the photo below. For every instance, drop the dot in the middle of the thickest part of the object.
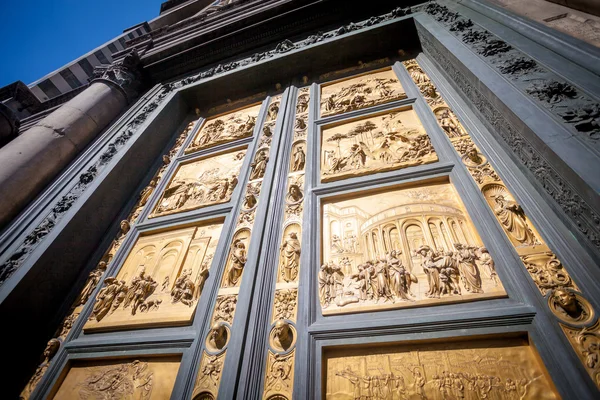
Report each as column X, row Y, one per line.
column 402, row 248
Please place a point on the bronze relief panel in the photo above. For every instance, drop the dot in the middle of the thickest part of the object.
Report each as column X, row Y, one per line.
column 201, row 183
column 225, row 128
column 373, row 144
column 359, row 92
column 160, row 281
column 402, row 248
column 145, row 379
column 505, row 368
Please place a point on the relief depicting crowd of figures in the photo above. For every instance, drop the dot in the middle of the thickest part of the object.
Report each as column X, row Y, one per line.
column 160, row 281
column 413, row 247
column 491, row 369
column 225, row 128
column 201, row 183
column 576, row 315
column 375, row 144
column 360, row 92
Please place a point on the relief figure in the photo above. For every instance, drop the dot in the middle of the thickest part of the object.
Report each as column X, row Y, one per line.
column 238, row 262
column 512, row 218
column 290, row 253
column 259, row 166
column 299, row 159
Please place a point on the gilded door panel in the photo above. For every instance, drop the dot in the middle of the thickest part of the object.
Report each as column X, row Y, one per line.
column 402, row 248
column 160, row 281
column 359, row 92
column 376, row 143
column 201, row 183
column 225, row 128
column 472, row 370
column 144, row 378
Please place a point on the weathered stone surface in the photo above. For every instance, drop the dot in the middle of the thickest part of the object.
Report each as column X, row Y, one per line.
column 28, row 163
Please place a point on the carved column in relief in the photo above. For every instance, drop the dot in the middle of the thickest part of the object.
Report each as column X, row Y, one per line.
column 210, row 370
column 574, row 313
column 279, row 370
column 32, row 160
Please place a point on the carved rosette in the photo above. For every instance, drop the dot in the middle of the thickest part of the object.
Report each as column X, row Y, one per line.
column 215, row 345
column 564, row 299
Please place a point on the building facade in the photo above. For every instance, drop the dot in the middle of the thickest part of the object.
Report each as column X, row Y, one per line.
column 295, row 199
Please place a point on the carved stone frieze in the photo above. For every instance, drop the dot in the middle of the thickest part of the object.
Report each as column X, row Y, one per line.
column 553, row 92
column 575, row 207
column 518, row 66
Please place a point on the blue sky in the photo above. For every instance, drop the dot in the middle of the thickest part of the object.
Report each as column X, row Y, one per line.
column 39, row 36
